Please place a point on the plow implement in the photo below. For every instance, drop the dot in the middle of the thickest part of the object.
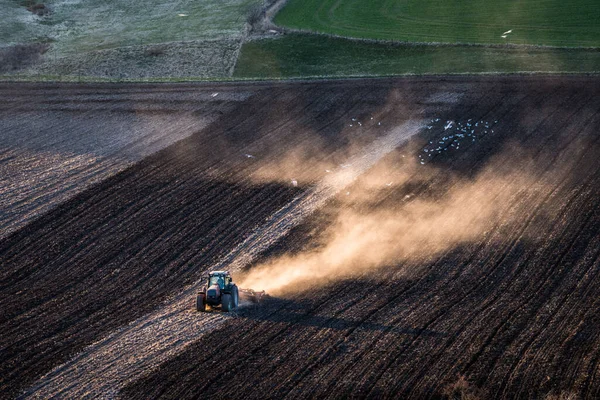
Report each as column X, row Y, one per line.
column 253, row 296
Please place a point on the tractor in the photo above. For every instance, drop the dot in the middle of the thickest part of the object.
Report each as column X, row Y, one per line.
column 220, row 291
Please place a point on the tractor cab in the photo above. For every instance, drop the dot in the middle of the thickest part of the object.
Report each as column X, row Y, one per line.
column 219, row 278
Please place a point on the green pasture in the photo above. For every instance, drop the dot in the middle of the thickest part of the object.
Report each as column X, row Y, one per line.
column 572, row 23
column 303, row 55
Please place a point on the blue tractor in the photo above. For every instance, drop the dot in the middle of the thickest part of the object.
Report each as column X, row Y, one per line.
column 218, row 291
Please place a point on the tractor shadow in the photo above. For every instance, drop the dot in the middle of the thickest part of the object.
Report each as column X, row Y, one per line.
column 298, row 313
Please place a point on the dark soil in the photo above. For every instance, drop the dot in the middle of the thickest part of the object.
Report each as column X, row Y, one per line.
column 511, row 314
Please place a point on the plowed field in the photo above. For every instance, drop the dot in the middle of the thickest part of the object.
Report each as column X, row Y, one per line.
column 487, row 283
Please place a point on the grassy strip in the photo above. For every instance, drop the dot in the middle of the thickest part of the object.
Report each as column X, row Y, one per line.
column 572, row 23
column 298, row 55
column 82, row 26
column 315, row 56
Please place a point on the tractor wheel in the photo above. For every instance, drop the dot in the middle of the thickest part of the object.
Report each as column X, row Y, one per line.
column 200, row 304
column 226, row 302
column 236, row 297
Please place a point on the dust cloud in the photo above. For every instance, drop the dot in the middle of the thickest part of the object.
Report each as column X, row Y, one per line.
column 368, row 233
column 304, row 163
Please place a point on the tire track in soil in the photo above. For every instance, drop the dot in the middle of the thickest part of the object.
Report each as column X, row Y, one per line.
column 102, row 369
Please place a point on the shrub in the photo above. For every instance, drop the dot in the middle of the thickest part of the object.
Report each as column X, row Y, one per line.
column 38, row 9
column 20, row 56
column 154, row 51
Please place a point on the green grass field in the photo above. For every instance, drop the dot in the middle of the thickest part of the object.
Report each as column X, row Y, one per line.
column 564, row 23
column 84, row 25
column 76, row 28
column 303, row 55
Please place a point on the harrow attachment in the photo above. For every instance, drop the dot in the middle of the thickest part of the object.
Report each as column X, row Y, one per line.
column 253, row 296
